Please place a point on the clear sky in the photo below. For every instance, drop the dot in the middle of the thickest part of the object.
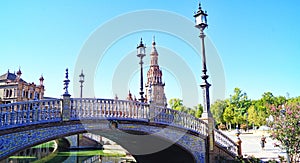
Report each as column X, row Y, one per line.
column 253, row 45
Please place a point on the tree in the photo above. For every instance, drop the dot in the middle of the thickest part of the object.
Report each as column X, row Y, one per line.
column 252, row 115
column 228, row 116
column 268, row 98
column 199, row 110
column 280, row 100
column 239, row 103
column 175, row 104
column 285, row 128
column 217, row 109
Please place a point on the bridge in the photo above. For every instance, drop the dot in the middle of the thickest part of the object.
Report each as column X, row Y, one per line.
column 150, row 133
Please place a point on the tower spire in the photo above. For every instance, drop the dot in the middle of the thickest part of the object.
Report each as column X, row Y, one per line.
column 155, row 86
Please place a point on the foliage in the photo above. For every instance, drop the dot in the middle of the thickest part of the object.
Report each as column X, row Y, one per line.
column 217, row 109
column 239, row 103
column 228, row 115
column 176, row 104
column 286, row 129
column 199, row 110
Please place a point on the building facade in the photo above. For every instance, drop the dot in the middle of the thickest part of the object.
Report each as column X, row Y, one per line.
column 155, row 86
column 14, row 89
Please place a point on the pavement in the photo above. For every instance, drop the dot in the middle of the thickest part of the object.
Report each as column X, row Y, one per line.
column 251, row 145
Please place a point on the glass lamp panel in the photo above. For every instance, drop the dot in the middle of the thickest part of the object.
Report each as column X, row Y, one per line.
column 141, row 50
column 198, row 19
column 203, row 19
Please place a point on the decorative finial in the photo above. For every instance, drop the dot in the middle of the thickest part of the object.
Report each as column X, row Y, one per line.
column 199, row 6
column 66, row 82
column 41, row 80
column 141, row 40
column 153, row 42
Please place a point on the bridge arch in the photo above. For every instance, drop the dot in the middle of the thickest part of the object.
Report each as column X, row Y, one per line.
column 142, row 139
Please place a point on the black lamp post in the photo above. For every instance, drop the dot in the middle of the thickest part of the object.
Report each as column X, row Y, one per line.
column 201, row 23
column 141, row 53
column 81, row 80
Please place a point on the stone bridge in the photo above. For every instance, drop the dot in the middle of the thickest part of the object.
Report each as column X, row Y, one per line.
column 148, row 132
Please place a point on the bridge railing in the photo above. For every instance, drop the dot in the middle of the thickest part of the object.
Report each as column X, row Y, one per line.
column 87, row 108
column 91, row 108
column 30, row 112
column 42, row 111
column 225, row 142
column 179, row 119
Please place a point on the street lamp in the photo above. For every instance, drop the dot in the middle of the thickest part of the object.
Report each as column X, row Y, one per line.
column 81, row 80
column 141, row 53
column 201, row 23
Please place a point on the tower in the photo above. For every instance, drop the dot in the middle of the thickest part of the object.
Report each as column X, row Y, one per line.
column 154, row 86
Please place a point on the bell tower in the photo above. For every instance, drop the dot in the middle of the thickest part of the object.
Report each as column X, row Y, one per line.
column 154, row 86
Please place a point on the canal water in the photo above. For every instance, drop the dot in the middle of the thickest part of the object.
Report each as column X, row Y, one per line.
column 49, row 153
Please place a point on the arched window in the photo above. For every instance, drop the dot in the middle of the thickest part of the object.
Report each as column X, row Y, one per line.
column 10, row 92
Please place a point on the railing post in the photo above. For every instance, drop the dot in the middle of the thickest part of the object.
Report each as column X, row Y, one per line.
column 12, row 116
column 239, row 143
column 66, row 103
column 151, row 112
column 66, row 107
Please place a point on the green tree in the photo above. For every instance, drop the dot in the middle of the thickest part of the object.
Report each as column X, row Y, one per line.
column 239, row 103
column 280, row 100
column 268, row 98
column 252, row 116
column 199, row 110
column 217, row 109
column 176, row 104
column 228, row 116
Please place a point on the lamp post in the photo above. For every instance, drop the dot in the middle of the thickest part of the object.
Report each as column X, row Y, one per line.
column 201, row 23
column 141, row 53
column 81, row 80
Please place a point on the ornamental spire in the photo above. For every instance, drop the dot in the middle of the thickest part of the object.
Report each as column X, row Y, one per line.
column 153, row 50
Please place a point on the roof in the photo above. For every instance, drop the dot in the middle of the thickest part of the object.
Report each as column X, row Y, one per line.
column 9, row 76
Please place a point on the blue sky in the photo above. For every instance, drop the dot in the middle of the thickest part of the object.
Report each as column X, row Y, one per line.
column 256, row 41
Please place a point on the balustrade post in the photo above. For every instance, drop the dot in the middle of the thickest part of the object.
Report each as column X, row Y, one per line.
column 28, row 114
column 12, row 116
column 33, row 114
column 18, row 114
column 151, row 113
column 66, row 107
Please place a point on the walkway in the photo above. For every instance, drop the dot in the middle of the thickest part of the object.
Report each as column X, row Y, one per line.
column 251, row 145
